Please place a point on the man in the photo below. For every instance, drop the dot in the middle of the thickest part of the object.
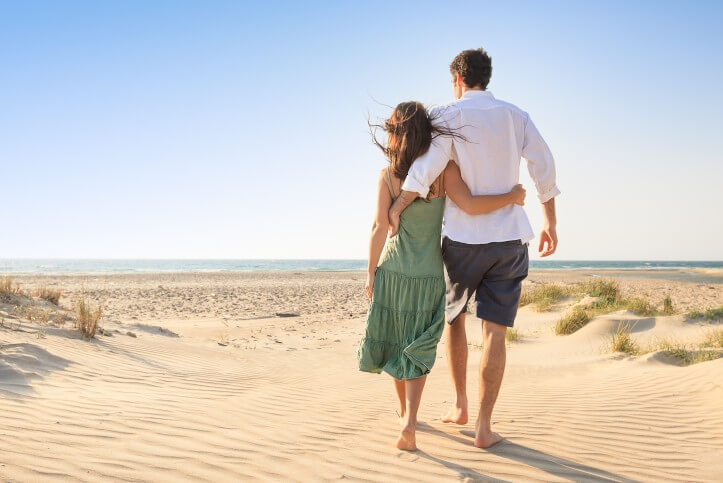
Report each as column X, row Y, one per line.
column 483, row 254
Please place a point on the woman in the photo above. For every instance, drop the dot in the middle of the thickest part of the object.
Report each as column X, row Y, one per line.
column 405, row 275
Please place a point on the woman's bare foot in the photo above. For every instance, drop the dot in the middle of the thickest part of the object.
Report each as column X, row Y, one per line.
column 487, row 439
column 457, row 415
column 407, row 439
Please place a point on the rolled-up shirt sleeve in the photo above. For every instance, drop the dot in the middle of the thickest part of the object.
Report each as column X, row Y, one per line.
column 427, row 168
column 540, row 163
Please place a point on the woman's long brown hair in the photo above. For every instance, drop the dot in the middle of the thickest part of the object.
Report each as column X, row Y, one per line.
column 410, row 131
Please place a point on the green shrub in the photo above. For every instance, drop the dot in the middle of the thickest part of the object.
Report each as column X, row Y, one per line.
column 639, row 306
column 710, row 314
column 604, row 288
column 686, row 355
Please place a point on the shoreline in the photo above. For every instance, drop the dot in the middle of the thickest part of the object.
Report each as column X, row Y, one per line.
column 693, row 275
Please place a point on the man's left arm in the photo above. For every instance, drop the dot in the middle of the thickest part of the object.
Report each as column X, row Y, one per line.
column 541, row 166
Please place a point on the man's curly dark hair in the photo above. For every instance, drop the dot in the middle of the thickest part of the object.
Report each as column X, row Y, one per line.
column 475, row 67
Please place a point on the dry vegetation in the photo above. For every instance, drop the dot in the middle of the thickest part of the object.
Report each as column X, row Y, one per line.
column 87, row 317
column 668, row 306
column 714, row 338
column 9, row 288
column 51, row 295
column 23, row 306
column 513, row 335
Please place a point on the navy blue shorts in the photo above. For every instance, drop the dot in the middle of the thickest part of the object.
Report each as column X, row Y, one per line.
column 493, row 271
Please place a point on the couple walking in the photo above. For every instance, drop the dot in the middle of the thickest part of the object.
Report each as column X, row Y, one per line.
column 458, row 163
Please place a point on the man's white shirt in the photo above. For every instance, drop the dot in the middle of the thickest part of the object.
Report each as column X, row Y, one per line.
column 497, row 135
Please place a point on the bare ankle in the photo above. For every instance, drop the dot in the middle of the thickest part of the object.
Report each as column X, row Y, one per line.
column 483, row 427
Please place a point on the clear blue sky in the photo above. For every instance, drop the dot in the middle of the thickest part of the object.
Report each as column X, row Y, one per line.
column 214, row 129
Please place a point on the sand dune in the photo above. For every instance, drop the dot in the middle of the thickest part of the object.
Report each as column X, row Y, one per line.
column 254, row 395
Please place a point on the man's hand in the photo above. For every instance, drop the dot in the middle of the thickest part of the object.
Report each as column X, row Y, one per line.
column 548, row 237
column 548, row 241
column 518, row 194
column 393, row 222
column 395, row 212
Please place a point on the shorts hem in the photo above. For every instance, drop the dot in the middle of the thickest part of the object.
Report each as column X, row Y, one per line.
column 452, row 320
column 495, row 320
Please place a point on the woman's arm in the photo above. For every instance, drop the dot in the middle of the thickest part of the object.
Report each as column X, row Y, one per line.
column 379, row 231
column 458, row 192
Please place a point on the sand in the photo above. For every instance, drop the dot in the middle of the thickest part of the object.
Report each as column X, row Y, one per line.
column 201, row 380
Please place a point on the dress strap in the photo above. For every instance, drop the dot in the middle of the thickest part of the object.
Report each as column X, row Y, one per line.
column 389, row 182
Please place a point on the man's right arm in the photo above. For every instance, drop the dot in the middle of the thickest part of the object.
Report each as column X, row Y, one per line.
column 424, row 170
column 548, row 237
column 541, row 166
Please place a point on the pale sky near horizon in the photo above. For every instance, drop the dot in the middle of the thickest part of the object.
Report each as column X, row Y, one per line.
column 179, row 129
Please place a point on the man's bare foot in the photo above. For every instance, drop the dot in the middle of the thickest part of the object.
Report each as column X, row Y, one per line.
column 407, row 439
column 487, row 439
column 456, row 415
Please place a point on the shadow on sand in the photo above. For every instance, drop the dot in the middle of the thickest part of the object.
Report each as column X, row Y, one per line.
column 553, row 465
column 20, row 363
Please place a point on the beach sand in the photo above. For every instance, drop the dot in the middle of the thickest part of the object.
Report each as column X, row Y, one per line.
column 231, row 376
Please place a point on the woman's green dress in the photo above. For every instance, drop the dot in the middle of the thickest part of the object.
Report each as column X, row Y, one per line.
column 406, row 316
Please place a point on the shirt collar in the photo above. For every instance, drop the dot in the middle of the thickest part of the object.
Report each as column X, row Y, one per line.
column 476, row 93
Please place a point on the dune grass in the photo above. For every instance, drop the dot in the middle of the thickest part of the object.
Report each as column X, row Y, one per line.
column 513, row 335
column 622, row 341
column 713, row 338
column 685, row 354
column 608, row 298
column 45, row 293
column 545, row 295
column 87, row 317
column 573, row 321
column 603, row 288
column 638, row 306
column 709, row 315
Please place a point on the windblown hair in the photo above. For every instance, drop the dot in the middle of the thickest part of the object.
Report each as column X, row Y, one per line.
column 410, row 131
column 475, row 67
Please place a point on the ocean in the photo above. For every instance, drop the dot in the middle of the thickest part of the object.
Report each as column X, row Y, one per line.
column 73, row 266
